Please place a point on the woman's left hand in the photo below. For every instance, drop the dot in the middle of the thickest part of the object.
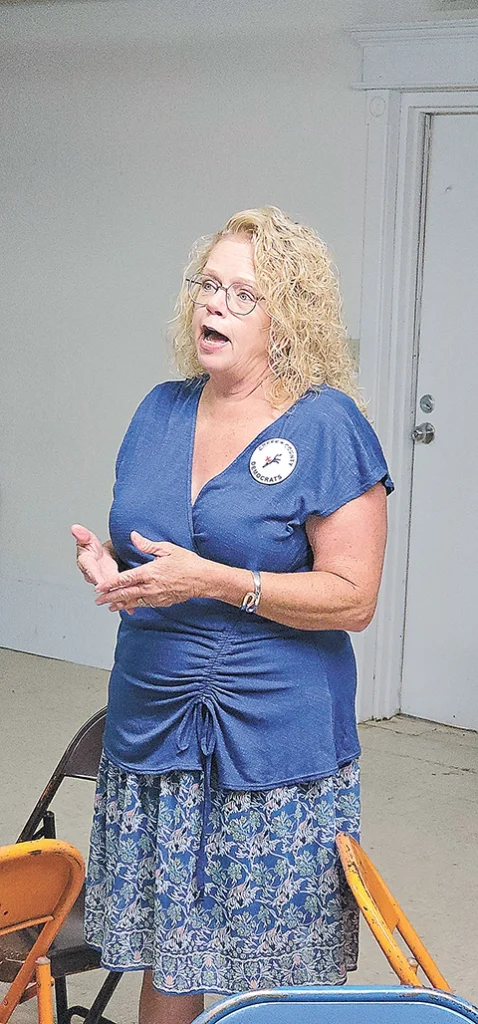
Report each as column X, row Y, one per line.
column 174, row 575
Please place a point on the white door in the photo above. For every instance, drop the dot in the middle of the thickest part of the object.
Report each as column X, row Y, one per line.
column 440, row 659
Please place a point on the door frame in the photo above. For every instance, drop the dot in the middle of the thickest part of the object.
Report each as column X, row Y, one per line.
column 408, row 73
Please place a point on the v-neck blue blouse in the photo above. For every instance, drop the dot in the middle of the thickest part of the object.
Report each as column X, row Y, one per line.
column 202, row 683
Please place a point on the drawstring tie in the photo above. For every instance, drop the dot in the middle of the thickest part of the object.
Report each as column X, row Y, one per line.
column 203, row 713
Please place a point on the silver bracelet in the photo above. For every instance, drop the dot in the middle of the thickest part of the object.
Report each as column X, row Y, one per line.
column 252, row 598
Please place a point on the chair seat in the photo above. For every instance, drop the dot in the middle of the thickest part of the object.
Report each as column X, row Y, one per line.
column 69, row 953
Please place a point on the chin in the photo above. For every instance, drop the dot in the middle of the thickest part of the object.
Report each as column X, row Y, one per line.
column 210, row 360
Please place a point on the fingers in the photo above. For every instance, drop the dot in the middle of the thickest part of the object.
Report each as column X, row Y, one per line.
column 90, row 559
column 88, row 578
column 86, row 540
column 87, row 569
column 121, row 580
column 128, row 590
column 124, row 597
column 81, row 534
column 140, row 575
column 85, row 563
column 129, row 604
column 151, row 547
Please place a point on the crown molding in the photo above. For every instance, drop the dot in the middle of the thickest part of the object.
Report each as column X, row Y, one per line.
column 425, row 55
column 451, row 28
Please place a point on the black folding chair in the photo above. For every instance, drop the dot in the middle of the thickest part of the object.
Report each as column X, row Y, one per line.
column 69, row 953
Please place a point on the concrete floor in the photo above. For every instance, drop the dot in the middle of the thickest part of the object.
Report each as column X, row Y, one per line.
column 420, row 815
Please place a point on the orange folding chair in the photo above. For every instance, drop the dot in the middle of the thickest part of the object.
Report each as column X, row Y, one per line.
column 384, row 915
column 39, row 883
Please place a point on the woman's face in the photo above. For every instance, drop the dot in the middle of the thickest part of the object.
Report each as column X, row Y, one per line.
column 227, row 343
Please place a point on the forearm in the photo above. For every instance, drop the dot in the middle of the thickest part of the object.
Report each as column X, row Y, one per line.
column 305, row 600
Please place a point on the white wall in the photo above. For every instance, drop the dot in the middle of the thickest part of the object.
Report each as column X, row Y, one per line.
column 130, row 129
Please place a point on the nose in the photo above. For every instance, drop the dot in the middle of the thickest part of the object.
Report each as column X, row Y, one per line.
column 216, row 304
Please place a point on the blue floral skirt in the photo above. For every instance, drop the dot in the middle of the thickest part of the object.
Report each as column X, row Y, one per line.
column 275, row 908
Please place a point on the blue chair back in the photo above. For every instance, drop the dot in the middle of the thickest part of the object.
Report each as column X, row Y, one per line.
column 341, row 1005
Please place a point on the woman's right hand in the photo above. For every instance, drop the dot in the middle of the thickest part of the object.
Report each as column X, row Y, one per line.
column 94, row 559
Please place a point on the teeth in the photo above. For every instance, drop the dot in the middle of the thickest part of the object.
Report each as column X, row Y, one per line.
column 214, row 336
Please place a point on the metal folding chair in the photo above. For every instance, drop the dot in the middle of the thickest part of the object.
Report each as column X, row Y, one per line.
column 69, row 953
column 384, row 915
column 341, row 1005
column 39, row 883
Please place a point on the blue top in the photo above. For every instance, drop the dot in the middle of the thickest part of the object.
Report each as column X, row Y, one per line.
column 203, row 681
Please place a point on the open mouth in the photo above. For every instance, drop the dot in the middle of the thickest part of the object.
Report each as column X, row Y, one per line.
column 214, row 337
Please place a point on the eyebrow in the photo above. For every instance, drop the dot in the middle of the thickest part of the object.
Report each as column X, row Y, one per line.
column 237, row 280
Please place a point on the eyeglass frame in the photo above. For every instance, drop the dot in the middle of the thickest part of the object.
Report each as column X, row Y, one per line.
column 219, row 288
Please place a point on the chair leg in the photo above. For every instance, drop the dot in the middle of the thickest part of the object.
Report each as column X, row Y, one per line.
column 44, row 993
column 61, row 1000
column 95, row 1013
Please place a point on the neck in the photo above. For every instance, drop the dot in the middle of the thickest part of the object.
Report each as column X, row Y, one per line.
column 223, row 388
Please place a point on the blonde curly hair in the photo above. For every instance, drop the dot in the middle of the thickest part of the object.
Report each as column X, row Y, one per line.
column 307, row 342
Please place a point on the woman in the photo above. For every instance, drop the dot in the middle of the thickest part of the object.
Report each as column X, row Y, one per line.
column 247, row 536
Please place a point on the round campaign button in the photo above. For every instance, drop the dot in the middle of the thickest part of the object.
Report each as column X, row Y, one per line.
column 273, row 460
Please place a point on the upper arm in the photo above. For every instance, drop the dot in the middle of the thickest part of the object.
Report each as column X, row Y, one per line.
column 350, row 542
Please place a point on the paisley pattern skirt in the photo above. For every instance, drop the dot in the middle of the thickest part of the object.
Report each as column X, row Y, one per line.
column 275, row 908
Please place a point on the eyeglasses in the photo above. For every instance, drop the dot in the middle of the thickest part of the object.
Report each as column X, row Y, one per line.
column 240, row 299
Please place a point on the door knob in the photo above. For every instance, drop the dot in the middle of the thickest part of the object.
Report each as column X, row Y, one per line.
column 424, row 433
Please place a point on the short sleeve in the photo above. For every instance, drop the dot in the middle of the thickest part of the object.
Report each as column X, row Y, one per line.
column 348, row 458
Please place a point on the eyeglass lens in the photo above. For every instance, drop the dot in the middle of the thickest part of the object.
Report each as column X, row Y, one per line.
column 239, row 298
